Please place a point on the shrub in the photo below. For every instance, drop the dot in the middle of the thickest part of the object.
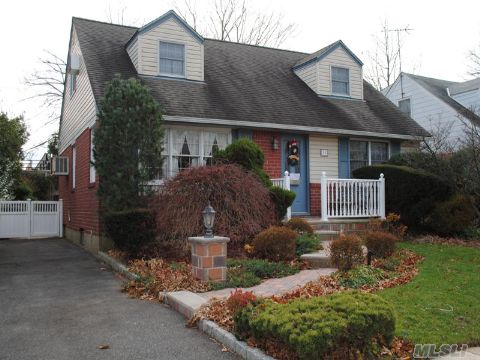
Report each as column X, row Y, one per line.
column 411, row 193
column 382, row 244
column 130, row 230
column 317, row 326
column 346, row 252
column 472, row 233
column 360, row 276
column 391, row 224
column 300, row 225
column 239, row 299
column 282, row 199
column 307, row 243
column 452, row 216
column 275, row 243
column 247, row 154
column 243, row 204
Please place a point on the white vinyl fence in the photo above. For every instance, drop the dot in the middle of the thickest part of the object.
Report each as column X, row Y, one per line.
column 31, row 219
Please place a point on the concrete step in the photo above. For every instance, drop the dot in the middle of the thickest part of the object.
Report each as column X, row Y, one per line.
column 185, row 302
column 327, row 235
column 318, row 260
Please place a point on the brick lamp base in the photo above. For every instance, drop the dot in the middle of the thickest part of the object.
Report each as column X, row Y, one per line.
column 209, row 257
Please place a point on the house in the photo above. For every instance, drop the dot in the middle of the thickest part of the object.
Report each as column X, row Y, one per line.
column 437, row 105
column 216, row 91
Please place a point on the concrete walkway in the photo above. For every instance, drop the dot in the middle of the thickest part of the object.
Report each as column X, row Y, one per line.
column 56, row 302
column 275, row 286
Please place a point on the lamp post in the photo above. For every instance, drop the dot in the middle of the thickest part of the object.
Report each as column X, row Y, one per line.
column 208, row 220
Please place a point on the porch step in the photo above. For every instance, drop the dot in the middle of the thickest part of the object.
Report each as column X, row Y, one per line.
column 339, row 225
column 327, row 235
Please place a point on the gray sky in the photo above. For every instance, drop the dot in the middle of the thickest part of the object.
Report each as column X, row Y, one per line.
column 444, row 32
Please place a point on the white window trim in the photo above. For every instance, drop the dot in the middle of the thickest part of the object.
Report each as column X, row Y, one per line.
column 93, row 171
column 349, row 81
column 74, row 165
column 369, row 141
column 184, row 76
column 201, row 157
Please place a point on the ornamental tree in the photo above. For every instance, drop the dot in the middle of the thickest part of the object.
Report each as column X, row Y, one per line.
column 128, row 143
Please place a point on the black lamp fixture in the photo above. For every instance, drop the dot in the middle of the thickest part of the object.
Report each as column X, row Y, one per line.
column 208, row 220
column 274, row 143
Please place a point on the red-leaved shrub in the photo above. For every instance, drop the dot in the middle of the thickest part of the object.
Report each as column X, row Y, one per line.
column 239, row 299
column 346, row 252
column 277, row 243
column 242, row 203
column 381, row 243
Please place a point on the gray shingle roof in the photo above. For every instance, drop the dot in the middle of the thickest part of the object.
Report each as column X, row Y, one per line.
column 242, row 83
column 438, row 88
column 465, row 86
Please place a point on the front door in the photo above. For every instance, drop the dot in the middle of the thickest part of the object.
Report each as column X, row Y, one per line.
column 294, row 160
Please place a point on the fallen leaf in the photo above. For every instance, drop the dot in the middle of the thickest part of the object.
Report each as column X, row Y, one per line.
column 103, row 347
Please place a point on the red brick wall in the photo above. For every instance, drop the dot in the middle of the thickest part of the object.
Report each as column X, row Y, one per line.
column 273, row 158
column 80, row 205
column 315, row 206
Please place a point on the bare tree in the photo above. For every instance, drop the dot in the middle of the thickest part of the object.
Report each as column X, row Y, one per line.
column 48, row 82
column 474, row 58
column 120, row 14
column 440, row 142
column 234, row 20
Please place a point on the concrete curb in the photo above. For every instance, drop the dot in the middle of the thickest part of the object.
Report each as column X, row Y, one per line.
column 117, row 266
column 229, row 340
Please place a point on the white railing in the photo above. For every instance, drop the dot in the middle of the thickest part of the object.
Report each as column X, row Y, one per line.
column 352, row 198
column 31, row 219
column 284, row 183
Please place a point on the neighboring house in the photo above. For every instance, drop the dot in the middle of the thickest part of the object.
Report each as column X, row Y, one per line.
column 437, row 105
column 216, row 91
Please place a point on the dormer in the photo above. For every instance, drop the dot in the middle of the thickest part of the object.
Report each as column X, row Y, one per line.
column 168, row 47
column 332, row 71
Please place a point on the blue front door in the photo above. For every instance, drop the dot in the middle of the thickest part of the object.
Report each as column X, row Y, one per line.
column 294, row 159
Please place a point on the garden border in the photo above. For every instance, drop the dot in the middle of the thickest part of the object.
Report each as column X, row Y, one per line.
column 116, row 265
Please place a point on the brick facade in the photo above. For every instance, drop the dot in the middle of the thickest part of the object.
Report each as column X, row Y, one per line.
column 80, row 205
column 273, row 158
column 315, row 205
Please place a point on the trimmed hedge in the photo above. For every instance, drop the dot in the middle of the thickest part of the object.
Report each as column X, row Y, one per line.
column 299, row 225
column 277, row 243
column 381, row 244
column 314, row 327
column 411, row 193
column 452, row 216
column 346, row 252
column 130, row 230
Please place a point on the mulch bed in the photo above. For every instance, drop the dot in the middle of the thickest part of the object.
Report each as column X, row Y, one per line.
column 403, row 273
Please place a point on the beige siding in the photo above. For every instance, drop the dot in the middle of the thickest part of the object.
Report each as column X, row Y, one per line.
column 339, row 57
column 79, row 110
column 132, row 51
column 320, row 163
column 309, row 75
column 409, row 146
column 170, row 30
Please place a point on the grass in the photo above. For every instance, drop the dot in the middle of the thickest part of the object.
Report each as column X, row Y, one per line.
column 442, row 304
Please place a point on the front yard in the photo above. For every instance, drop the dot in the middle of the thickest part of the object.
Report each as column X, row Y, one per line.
column 441, row 304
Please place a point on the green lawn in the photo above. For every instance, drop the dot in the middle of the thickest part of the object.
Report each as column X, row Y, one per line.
column 442, row 304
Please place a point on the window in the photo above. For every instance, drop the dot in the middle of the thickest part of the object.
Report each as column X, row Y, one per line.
column 92, row 167
column 172, row 59
column 74, row 163
column 73, row 83
column 184, row 148
column 358, row 154
column 378, row 152
column 340, row 81
column 364, row 153
column 404, row 106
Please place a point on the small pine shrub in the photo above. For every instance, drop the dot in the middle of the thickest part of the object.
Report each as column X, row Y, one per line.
column 239, row 299
column 276, row 243
column 452, row 216
column 346, row 252
column 282, row 199
column 314, row 327
column 300, row 225
column 381, row 243
column 308, row 243
column 130, row 230
column 360, row 276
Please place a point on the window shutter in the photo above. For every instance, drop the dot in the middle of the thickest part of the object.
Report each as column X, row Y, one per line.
column 394, row 148
column 343, row 158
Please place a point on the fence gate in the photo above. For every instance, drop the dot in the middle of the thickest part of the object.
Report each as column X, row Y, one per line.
column 31, row 219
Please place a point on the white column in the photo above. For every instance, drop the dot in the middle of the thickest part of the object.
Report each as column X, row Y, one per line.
column 323, row 196
column 60, row 218
column 381, row 197
column 286, row 185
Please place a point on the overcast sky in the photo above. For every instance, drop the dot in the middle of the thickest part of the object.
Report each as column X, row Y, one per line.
column 444, row 32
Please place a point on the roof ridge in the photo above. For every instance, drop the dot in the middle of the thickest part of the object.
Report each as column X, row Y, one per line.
column 257, row 46
column 103, row 22
column 430, row 78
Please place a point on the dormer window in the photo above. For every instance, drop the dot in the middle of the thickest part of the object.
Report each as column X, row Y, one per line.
column 172, row 59
column 340, row 81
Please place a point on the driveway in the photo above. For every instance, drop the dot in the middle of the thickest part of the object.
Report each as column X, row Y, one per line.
column 56, row 302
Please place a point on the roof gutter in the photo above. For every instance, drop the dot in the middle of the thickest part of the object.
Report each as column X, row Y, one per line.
column 287, row 127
